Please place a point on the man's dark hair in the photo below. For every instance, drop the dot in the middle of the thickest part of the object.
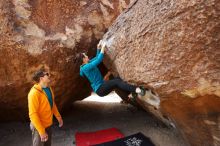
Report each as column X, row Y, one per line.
column 38, row 74
column 81, row 56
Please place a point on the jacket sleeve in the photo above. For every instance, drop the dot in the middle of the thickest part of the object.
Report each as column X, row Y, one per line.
column 56, row 112
column 54, row 109
column 94, row 63
column 33, row 105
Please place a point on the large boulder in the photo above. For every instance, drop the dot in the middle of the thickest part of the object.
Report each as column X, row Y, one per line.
column 173, row 47
column 48, row 34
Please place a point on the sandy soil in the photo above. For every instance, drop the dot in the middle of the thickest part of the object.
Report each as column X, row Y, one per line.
column 92, row 116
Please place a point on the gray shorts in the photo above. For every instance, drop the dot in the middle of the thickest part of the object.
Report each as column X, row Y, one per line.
column 36, row 140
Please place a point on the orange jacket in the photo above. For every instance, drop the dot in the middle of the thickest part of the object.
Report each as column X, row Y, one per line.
column 40, row 112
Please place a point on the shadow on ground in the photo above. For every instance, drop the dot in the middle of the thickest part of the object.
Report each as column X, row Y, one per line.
column 92, row 116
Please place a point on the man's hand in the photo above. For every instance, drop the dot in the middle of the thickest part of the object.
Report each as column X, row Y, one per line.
column 60, row 122
column 44, row 137
column 103, row 47
column 99, row 44
column 106, row 77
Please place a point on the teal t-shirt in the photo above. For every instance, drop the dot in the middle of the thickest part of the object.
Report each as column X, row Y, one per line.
column 91, row 71
column 49, row 96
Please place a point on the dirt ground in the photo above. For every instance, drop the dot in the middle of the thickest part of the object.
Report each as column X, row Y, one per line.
column 92, row 116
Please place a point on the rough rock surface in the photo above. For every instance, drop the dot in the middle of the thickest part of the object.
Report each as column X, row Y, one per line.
column 49, row 34
column 173, row 47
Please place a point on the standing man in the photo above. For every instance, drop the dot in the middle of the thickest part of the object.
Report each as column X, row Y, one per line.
column 42, row 107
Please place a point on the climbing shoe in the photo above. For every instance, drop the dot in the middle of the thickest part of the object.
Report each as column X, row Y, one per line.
column 143, row 91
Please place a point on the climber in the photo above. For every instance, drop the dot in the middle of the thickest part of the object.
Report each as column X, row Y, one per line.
column 100, row 86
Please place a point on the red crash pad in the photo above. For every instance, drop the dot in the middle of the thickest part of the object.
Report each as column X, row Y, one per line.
column 97, row 137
